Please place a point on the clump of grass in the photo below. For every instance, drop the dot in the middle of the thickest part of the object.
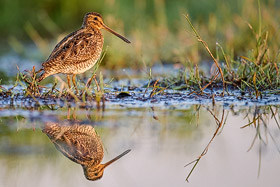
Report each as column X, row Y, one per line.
column 257, row 72
column 28, row 81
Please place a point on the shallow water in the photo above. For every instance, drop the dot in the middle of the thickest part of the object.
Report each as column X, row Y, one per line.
column 162, row 139
column 164, row 133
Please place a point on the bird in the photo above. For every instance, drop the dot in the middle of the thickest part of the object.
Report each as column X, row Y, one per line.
column 81, row 144
column 78, row 51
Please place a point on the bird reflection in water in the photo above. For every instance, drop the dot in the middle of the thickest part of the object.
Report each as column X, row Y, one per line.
column 81, row 144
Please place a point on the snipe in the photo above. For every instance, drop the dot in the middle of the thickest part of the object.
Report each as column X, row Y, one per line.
column 79, row 51
column 81, row 144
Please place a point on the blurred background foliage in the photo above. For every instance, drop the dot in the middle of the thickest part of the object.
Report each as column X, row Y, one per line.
column 157, row 28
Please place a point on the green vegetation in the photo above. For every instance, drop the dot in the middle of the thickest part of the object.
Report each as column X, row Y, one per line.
column 258, row 72
column 242, row 35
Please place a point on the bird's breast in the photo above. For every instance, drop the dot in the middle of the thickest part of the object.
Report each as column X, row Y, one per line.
column 87, row 57
column 84, row 66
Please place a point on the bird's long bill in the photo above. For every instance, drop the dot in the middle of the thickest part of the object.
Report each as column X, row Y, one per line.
column 115, row 33
column 115, row 159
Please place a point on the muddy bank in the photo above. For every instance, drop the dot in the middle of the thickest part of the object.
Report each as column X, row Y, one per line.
column 135, row 97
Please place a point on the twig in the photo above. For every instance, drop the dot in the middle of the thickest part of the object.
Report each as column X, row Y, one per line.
column 208, row 50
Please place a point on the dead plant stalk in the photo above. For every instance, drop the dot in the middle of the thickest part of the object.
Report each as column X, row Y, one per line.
column 209, row 52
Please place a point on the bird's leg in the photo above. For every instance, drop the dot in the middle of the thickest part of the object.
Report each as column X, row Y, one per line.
column 68, row 81
column 68, row 114
column 97, row 85
column 90, row 80
column 96, row 82
column 74, row 82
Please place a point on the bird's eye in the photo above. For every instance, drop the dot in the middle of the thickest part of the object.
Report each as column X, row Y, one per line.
column 96, row 174
column 95, row 18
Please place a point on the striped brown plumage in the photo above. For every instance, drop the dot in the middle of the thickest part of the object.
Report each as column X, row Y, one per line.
column 81, row 144
column 78, row 51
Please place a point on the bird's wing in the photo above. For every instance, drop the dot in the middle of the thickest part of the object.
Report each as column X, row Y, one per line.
column 61, row 44
column 78, row 46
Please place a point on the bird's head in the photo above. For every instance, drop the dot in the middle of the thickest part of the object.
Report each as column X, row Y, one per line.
column 96, row 172
column 95, row 20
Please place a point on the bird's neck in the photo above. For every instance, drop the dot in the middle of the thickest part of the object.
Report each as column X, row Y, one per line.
column 91, row 28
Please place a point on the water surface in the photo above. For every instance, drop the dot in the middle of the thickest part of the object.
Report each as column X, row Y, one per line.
column 162, row 139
